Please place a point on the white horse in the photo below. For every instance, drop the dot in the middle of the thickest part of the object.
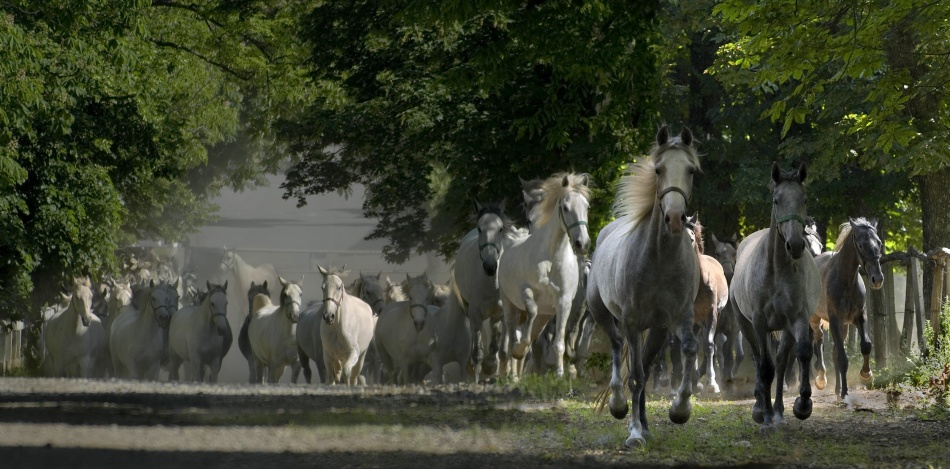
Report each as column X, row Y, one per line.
column 538, row 274
column 272, row 333
column 475, row 282
column 347, row 330
column 244, row 274
column 448, row 335
column 199, row 336
column 397, row 336
column 75, row 338
column 136, row 339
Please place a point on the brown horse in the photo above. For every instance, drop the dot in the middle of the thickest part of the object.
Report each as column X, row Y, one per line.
column 710, row 299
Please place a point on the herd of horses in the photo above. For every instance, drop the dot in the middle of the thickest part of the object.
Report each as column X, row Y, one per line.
column 524, row 298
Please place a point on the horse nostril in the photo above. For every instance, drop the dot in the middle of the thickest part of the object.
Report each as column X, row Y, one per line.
column 667, row 219
column 788, row 246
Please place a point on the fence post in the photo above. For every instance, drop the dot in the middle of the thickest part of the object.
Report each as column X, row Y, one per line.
column 878, row 312
column 936, row 298
column 918, row 305
column 907, row 332
column 893, row 331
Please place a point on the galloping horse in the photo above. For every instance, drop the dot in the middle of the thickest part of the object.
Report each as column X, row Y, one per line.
column 75, row 338
column 244, row 342
column 272, row 334
column 397, row 338
column 476, row 284
column 776, row 287
column 200, row 336
column 710, row 299
column 347, row 330
column 842, row 297
column 645, row 275
column 539, row 273
column 731, row 352
column 136, row 339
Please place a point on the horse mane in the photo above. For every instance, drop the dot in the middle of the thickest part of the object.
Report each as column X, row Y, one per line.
column 338, row 271
column 260, row 301
column 636, row 190
column 394, row 292
column 697, row 228
column 554, row 189
column 846, row 231
column 354, row 287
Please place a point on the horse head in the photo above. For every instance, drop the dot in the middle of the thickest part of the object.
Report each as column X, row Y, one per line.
column 163, row 299
column 120, row 297
column 372, row 292
column 81, row 299
column 217, row 297
column 333, row 291
column 491, row 223
column 227, row 260
column 869, row 247
column 812, row 240
column 291, row 297
column 255, row 290
column 789, row 204
column 675, row 163
column 532, row 193
column 725, row 253
column 421, row 295
column 695, row 231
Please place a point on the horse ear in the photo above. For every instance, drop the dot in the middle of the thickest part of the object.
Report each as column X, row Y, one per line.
column 851, row 222
column 65, row 296
column 713, row 235
column 282, row 281
column 694, row 218
column 585, row 179
column 177, row 281
column 225, row 286
column 802, row 172
column 323, row 271
column 686, row 136
column 522, row 181
column 735, row 237
column 776, row 173
column 566, row 181
column 478, row 206
column 663, row 135
column 301, row 279
column 379, row 274
column 151, row 283
column 264, row 284
column 208, row 284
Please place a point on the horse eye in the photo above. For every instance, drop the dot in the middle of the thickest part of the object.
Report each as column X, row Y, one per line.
column 658, row 171
column 774, row 201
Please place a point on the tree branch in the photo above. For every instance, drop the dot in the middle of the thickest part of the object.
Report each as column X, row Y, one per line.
column 219, row 65
column 194, row 9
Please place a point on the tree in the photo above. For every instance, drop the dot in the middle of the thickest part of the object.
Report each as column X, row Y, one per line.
column 108, row 110
column 872, row 73
column 433, row 104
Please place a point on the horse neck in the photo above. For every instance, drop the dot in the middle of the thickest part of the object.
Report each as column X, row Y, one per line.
column 147, row 320
column 847, row 261
column 552, row 235
column 241, row 270
column 778, row 259
column 73, row 310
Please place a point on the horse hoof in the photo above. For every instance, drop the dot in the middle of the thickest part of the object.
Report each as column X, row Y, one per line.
column 519, row 350
column 768, row 430
column 802, row 408
column 714, row 388
column 866, row 376
column 619, row 409
column 664, row 381
column 820, row 381
column 635, row 442
column 698, row 388
column 758, row 416
column 679, row 414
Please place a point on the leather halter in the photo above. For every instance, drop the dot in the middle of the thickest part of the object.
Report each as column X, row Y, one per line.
column 660, row 194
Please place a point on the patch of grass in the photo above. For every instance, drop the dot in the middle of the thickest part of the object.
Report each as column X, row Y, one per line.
column 546, row 386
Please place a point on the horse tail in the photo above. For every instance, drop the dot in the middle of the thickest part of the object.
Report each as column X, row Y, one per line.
column 244, row 342
column 455, row 289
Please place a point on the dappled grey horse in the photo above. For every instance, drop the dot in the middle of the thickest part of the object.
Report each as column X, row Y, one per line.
column 776, row 287
column 645, row 274
column 842, row 297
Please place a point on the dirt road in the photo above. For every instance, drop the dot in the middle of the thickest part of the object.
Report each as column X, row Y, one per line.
column 49, row 423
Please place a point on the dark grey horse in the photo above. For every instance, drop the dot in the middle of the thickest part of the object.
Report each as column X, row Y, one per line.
column 776, row 287
column 731, row 352
column 842, row 297
column 645, row 275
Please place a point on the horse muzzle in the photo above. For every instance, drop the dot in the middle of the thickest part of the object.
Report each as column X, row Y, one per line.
column 675, row 220
column 330, row 319
column 418, row 324
column 490, row 267
column 795, row 248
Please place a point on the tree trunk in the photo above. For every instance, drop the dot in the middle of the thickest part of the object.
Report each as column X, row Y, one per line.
column 935, row 212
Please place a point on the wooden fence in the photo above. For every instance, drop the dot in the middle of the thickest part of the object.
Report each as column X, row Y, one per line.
column 11, row 345
column 889, row 341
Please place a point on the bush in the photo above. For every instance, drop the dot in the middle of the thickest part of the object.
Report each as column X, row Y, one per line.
column 931, row 371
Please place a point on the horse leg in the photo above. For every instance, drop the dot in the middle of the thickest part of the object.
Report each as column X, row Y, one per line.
column 635, row 384
column 607, row 322
column 865, row 346
column 476, row 321
column 562, row 312
column 215, row 368
column 803, row 336
column 657, row 340
column 781, row 359
column 820, row 380
column 520, row 347
column 840, row 357
column 661, row 367
column 583, row 344
column 760, row 351
column 709, row 344
column 258, row 374
column 305, row 365
column 493, row 360
column 681, row 407
column 676, row 362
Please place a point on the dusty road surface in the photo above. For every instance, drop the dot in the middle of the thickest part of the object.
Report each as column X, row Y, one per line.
column 47, row 423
